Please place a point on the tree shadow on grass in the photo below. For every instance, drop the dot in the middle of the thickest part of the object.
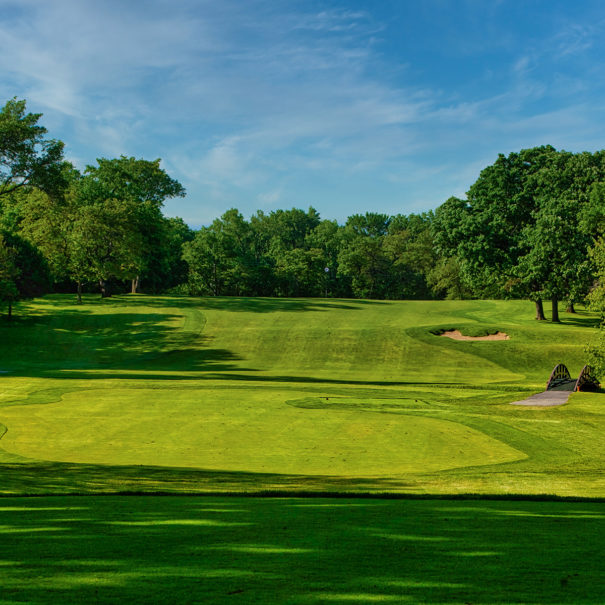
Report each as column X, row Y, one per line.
column 50, row 338
column 31, row 478
column 293, row 550
column 224, row 374
column 236, row 304
column 581, row 321
column 45, row 345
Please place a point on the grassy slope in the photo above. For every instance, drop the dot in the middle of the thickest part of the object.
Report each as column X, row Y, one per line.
column 278, row 551
column 307, row 394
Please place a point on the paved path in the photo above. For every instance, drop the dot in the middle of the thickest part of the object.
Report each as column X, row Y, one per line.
column 545, row 399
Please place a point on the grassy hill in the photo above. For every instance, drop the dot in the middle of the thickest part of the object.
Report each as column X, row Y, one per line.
column 225, row 394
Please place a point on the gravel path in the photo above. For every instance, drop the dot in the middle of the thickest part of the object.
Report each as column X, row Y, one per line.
column 545, row 399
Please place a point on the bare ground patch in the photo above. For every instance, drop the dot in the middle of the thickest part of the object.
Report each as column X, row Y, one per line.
column 457, row 335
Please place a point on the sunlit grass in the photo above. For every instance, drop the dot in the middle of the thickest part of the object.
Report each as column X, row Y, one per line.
column 176, row 394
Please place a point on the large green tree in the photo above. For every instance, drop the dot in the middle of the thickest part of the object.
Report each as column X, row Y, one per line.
column 519, row 232
column 596, row 298
column 145, row 186
column 23, row 270
column 104, row 243
column 44, row 220
column 327, row 237
column 27, row 157
column 220, row 257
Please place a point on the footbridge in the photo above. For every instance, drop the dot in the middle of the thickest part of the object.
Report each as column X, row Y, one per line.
column 561, row 380
column 560, row 385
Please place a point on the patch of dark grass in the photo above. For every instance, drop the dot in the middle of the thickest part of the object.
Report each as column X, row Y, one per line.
column 300, row 550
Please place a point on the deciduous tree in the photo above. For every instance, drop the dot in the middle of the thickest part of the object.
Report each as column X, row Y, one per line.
column 27, row 157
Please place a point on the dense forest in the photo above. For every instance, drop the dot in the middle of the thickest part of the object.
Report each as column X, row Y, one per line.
column 531, row 227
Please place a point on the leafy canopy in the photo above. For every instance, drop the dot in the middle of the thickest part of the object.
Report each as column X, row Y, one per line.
column 26, row 156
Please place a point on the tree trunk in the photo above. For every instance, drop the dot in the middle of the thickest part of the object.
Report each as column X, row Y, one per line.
column 555, row 310
column 10, row 310
column 570, row 307
column 79, row 292
column 135, row 285
column 105, row 293
column 540, row 310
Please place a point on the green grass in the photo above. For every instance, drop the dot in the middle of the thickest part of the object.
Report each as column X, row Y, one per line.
column 249, row 550
column 177, row 394
column 291, row 397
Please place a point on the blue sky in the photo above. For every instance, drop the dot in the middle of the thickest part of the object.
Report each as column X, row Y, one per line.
column 387, row 106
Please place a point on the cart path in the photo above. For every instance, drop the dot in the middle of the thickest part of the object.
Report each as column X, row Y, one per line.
column 545, row 399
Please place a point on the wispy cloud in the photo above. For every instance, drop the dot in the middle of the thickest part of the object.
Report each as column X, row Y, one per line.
column 576, row 39
column 262, row 103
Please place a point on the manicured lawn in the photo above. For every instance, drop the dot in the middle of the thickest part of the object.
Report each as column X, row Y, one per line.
column 109, row 549
column 294, row 397
column 173, row 394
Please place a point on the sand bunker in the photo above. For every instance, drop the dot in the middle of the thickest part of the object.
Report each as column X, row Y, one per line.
column 457, row 335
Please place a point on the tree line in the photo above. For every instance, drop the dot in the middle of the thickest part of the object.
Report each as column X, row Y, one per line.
column 531, row 226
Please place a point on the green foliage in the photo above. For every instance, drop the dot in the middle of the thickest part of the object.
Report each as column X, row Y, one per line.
column 118, row 202
column 129, row 179
column 595, row 352
column 26, row 156
column 23, row 270
column 523, row 230
column 446, row 281
column 371, row 224
column 104, row 242
column 294, row 253
column 220, row 257
column 8, row 272
column 142, row 186
column 301, row 272
column 596, row 298
column 365, row 262
column 44, row 221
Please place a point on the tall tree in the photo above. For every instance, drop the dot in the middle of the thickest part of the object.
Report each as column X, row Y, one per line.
column 220, row 257
column 596, row 299
column 23, row 270
column 27, row 158
column 104, row 243
column 327, row 237
column 519, row 233
column 144, row 184
column 44, row 220
column 301, row 272
column 366, row 263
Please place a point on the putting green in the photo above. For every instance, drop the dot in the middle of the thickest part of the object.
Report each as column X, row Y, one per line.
column 256, row 433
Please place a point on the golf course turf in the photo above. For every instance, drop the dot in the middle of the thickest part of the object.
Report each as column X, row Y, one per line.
column 299, row 550
column 233, row 397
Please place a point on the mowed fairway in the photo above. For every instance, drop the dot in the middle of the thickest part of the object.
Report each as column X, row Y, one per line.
column 143, row 393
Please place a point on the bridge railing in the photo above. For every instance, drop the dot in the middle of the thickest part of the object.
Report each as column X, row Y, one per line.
column 587, row 381
column 558, row 376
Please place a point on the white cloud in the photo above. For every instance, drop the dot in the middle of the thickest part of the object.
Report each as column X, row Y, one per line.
column 251, row 103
